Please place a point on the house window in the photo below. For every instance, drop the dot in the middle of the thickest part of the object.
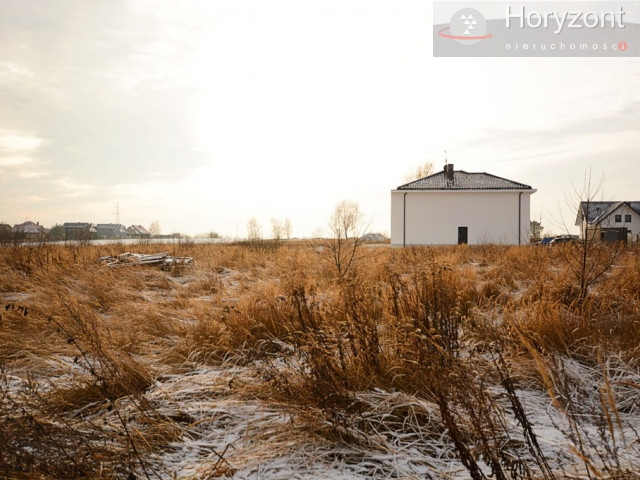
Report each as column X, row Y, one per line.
column 618, row 218
column 627, row 218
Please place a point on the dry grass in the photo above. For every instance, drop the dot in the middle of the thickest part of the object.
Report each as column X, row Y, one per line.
column 437, row 345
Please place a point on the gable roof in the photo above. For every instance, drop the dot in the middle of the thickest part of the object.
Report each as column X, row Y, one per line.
column 464, row 181
column 596, row 212
column 28, row 227
column 138, row 230
column 111, row 229
column 111, row 226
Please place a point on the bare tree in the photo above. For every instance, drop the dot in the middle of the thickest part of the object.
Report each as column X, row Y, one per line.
column 287, row 228
column 419, row 172
column 254, row 230
column 154, row 228
column 277, row 229
column 318, row 232
column 536, row 229
column 342, row 247
column 591, row 257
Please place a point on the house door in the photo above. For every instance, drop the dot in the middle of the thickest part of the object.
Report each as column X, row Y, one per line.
column 462, row 235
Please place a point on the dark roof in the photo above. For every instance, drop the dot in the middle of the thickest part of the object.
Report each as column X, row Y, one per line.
column 76, row 225
column 464, row 181
column 89, row 227
column 596, row 212
column 111, row 229
column 111, row 226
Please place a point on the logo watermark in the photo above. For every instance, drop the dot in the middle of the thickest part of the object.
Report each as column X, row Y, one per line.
column 467, row 26
column 561, row 29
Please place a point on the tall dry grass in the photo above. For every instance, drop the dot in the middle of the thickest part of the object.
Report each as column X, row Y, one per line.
column 463, row 329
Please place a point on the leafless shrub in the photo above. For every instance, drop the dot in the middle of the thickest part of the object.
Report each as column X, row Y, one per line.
column 590, row 258
column 342, row 247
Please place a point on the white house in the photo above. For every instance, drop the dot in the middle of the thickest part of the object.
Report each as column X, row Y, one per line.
column 452, row 207
column 610, row 220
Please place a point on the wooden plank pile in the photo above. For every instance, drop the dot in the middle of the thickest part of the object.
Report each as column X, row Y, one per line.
column 163, row 260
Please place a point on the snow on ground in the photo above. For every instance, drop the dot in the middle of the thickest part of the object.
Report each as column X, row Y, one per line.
column 227, row 431
column 226, row 434
column 247, row 438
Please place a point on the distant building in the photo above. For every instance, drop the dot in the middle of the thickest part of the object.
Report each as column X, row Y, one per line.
column 111, row 231
column 79, row 231
column 609, row 221
column 452, row 207
column 29, row 232
column 373, row 237
column 5, row 233
column 138, row 231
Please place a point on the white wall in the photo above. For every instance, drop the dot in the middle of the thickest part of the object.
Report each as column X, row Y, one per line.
column 433, row 217
column 610, row 221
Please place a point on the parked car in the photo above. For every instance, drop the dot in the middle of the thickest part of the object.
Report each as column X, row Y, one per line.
column 557, row 240
column 561, row 239
column 545, row 241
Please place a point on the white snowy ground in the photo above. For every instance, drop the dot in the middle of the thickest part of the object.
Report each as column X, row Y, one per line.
column 259, row 440
column 243, row 437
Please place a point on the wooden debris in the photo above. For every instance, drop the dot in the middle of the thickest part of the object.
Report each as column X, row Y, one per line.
column 164, row 260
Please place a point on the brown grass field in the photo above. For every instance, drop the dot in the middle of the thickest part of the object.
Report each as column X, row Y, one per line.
column 439, row 363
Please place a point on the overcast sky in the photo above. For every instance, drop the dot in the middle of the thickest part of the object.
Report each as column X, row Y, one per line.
column 203, row 114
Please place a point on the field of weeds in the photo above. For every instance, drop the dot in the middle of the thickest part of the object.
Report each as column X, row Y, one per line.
column 438, row 363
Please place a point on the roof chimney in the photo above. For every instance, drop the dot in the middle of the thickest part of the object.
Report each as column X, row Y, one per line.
column 448, row 171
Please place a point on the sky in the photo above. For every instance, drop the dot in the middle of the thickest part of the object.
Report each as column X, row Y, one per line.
column 203, row 114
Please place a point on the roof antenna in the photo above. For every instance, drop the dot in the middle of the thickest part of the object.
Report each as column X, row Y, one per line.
column 446, row 158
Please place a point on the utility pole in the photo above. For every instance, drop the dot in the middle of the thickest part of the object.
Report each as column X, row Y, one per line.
column 117, row 213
